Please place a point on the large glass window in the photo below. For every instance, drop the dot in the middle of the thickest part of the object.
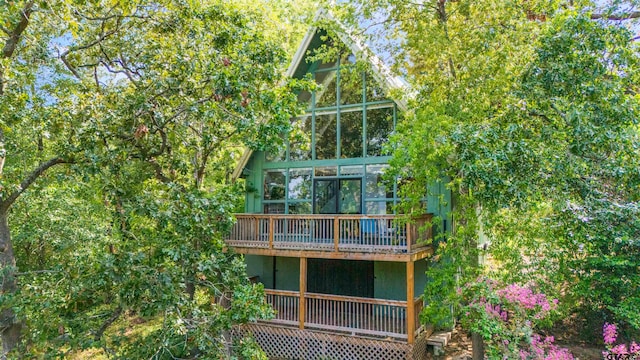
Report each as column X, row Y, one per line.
column 376, row 185
column 351, row 134
column 274, row 208
column 379, row 191
column 326, row 171
column 300, row 207
column 374, row 91
column 350, row 85
column 351, row 170
column 328, row 94
column 351, row 190
column 300, row 139
column 379, row 127
column 274, row 183
column 277, row 154
column 326, row 136
column 349, row 116
column 379, row 207
column 300, row 184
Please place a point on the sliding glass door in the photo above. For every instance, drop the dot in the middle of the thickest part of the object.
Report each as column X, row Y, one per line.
column 337, row 196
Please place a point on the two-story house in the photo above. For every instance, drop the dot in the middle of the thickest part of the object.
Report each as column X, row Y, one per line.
column 343, row 272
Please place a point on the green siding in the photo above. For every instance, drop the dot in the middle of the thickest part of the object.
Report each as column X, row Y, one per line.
column 253, row 184
column 390, row 280
column 419, row 277
column 439, row 203
column 261, row 266
column 287, row 273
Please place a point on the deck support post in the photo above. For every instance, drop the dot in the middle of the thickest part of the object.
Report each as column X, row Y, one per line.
column 411, row 316
column 303, row 289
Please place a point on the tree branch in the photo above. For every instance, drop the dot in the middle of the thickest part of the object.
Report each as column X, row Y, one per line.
column 158, row 172
column 14, row 38
column 116, row 314
column 627, row 16
column 70, row 67
column 97, row 41
column 6, row 203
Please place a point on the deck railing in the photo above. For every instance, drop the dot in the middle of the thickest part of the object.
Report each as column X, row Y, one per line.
column 418, row 304
column 286, row 305
column 348, row 314
column 348, row 233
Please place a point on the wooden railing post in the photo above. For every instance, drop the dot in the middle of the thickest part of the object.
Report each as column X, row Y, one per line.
column 336, row 232
column 271, row 230
column 411, row 317
column 303, row 289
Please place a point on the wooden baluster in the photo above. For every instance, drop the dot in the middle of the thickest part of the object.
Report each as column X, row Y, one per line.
column 409, row 239
column 336, row 232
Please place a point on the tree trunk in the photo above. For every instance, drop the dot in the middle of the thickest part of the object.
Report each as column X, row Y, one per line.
column 477, row 344
column 10, row 327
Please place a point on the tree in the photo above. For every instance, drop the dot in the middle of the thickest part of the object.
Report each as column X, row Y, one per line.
column 147, row 104
column 527, row 110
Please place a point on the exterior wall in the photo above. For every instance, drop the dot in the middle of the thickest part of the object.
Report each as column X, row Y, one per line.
column 287, row 273
column 253, row 184
column 419, row 277
column 389, row 277
column 257, row 165
column 390, row 280
column 439, row 203
column 261, row 266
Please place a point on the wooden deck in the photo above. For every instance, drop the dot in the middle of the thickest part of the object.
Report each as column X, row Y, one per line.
column 284, row 235
column 346, row 314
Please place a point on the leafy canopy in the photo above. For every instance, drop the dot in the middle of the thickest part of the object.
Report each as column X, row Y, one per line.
column 527, row 110
column 148, row 104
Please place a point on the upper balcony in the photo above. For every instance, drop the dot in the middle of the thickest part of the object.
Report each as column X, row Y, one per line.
column 371, row 237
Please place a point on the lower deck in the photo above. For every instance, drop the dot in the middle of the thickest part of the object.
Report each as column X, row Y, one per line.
column 354, row 298
column 347, row 315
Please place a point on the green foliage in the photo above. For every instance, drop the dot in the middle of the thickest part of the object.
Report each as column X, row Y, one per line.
column 570, row 143
column 149, row 104
column 530, row 109
column 507, row 318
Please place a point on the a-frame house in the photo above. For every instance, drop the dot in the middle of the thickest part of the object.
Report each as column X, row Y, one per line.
column 342, row 271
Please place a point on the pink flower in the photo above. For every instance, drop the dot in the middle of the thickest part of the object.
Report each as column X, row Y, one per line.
column 504, row 316
column 549, row 339
column 635, row 348
column 620, row 349
column 609, row 333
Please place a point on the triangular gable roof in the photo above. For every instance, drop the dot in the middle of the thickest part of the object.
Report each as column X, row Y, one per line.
column 381, row 71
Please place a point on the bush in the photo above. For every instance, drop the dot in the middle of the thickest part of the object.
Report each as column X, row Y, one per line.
column 507, row 317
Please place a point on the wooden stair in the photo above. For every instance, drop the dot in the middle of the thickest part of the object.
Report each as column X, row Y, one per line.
column 439, row 339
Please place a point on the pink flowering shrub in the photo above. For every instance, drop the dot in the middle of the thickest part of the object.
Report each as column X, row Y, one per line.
column 506, row 317
column 619, row 351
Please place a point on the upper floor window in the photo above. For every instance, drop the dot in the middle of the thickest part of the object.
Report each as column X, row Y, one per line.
column 349, row 116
